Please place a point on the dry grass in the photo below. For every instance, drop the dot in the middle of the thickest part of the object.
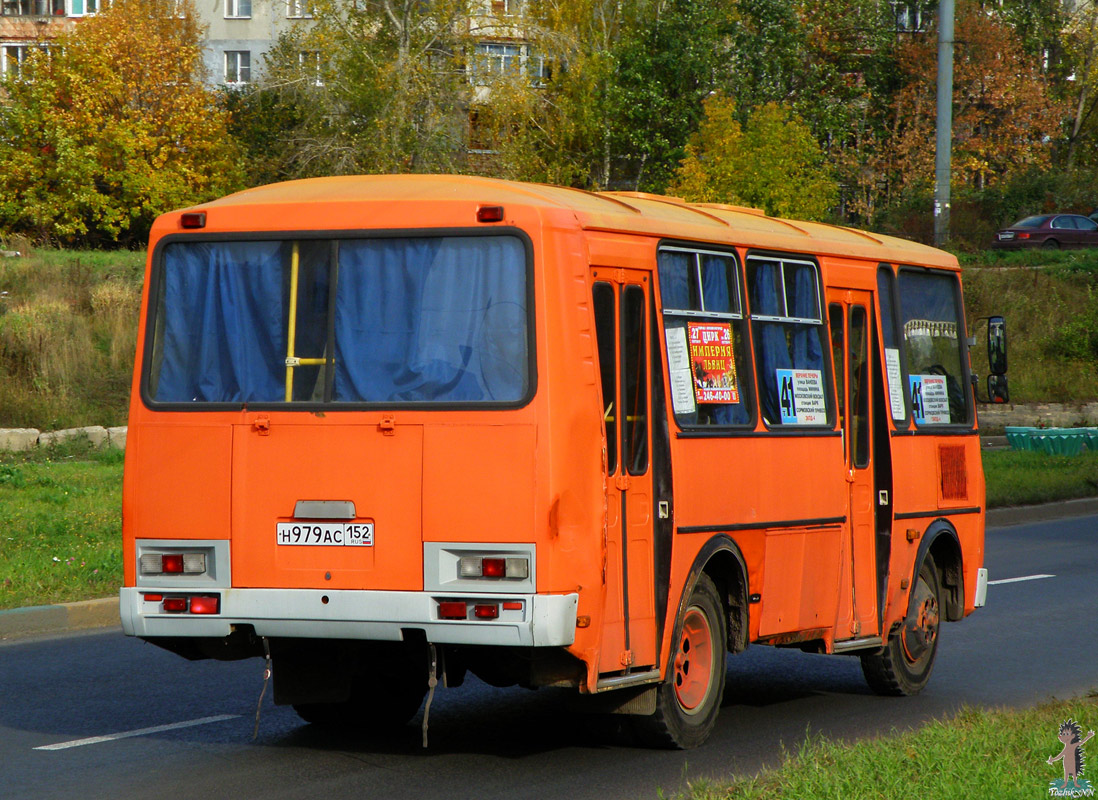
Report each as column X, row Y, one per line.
column 68, row 327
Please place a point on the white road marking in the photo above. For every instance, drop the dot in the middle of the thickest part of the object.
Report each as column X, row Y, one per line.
column 1019, row 580
column 142, row 732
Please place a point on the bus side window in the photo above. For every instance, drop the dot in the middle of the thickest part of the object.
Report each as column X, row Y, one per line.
column 704, row 328
column 933, row 331
column 789, row 341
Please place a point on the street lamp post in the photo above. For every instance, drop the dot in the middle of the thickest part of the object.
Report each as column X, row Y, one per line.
column 944, row 127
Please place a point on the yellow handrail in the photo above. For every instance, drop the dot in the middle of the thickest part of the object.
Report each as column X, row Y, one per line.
column 291, row 327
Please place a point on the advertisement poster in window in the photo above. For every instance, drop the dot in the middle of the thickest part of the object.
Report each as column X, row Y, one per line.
column 801, row 396
column 713, row 362
column 929, row 399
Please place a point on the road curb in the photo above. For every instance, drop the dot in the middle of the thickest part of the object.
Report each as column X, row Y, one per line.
column 61, row 618
column 1023, row 515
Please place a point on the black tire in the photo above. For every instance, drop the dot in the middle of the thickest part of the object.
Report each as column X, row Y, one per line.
column 378, row 701
column 687, row 708
column 903, row 667
column 1051, row 244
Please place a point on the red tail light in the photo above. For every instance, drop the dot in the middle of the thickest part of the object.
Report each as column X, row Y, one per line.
column 176, row 605
column 1023, row 235
column 486, row 611
column 205, row 605
column 494, row 567
column 172, row 563
column 452, row 609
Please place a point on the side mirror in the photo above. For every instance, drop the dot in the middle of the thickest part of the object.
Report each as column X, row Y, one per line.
column 997, row 389
column 997, row 351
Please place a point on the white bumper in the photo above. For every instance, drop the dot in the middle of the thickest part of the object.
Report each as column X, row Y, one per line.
column 544, row 621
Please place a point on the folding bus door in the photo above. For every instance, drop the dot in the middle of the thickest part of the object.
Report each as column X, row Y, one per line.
column 851, row 326
column 621, row 303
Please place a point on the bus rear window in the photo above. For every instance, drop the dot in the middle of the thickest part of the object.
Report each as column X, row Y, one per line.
column 425, row 320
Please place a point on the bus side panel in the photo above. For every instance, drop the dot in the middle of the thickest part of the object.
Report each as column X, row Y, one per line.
column 920, row 487
column 730, row 483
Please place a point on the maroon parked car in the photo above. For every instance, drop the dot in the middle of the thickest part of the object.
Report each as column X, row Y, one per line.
column 1049, row 230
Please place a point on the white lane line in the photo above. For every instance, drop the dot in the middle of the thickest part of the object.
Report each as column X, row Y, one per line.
column 142, row 732
column 1019, row 580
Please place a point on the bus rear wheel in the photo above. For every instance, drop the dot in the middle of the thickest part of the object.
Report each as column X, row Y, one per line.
column 688, row 700
column 903, row 667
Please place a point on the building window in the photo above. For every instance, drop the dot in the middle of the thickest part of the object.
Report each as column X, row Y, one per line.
column 238, row 66
column 238, row 9
column 11, row 59
column 299, row 9
column 32, row 8
column 493, row 59
column 910, row 17
column 309, row 61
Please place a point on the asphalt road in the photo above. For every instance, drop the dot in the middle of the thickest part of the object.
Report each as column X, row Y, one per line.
column 1035, row 640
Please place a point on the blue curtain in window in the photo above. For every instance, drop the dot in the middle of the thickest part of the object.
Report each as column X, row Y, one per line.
column 807, row 352
column 431, row 320
column 771, row 347
column 223, row 337
column 675, row 278
column 715, row 284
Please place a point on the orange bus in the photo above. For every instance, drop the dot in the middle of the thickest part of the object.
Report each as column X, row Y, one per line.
column 387, row 430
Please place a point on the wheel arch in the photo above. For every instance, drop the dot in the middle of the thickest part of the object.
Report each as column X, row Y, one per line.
column 941, row 543
column 720, row 558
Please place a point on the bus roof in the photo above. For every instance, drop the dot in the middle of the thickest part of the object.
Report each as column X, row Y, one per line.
column 624, row 212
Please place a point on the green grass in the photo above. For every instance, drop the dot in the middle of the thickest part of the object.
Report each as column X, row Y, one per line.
column 60, row 525
column 1052, row 324
column 978, row 753
column 1016, row 478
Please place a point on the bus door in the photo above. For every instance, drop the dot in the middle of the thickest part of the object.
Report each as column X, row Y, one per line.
column 621, row 299
column 849, row 316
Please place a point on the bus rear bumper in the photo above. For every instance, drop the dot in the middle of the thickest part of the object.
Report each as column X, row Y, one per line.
column 539, row 620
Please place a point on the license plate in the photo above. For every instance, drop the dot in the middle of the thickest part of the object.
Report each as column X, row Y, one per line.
column 1005, row 236
column 326, row 534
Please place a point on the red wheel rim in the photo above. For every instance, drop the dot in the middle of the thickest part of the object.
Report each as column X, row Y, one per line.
column 920, row 630
column 694, row 661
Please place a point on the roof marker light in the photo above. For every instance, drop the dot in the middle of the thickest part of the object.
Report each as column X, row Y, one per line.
column 489, row 213
column 193, row 219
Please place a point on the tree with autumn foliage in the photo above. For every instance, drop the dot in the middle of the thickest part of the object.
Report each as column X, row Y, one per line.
column 112, row 127
column 1005, row 118
column 772, row 162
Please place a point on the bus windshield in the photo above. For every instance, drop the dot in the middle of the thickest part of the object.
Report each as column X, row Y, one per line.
column 425, row 320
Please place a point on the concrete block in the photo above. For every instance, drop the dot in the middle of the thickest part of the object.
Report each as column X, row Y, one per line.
column 18, row 438
column 116, row 438
column 96, row 434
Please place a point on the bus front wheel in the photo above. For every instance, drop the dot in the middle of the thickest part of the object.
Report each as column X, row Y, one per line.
column 903, row 667
column 689, row 698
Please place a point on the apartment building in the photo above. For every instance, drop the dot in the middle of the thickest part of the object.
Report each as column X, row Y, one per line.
column 27, row 24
